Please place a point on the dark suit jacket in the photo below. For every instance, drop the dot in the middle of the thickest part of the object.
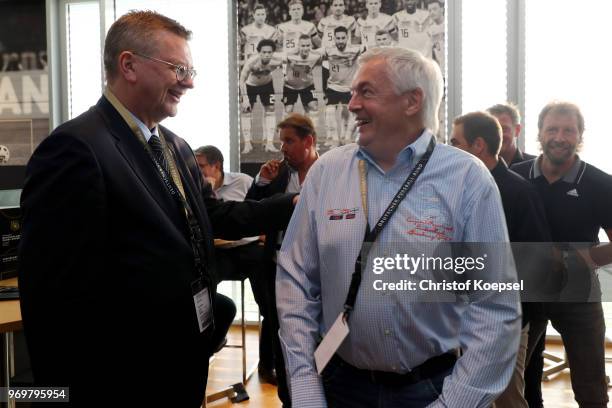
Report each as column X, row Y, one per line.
column 106, row 263
column 529, row 233
column 276, row 186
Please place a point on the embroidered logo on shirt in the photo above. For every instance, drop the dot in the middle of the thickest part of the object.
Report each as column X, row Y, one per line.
column 428, row 228
column 573, row 193
column 342, row 213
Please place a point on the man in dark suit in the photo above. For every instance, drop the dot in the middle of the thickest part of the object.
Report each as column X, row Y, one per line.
column 509, row 118
column 480, row 134
column 299, row 141
column 116, row 260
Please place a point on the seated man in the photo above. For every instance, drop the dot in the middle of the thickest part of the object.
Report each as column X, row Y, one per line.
column 225, row 311
column 299, row 147
column 242, row 258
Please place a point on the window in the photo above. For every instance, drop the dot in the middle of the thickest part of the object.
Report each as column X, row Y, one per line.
column 204, row 111
column 483, row 54
column 203, row 115
column 83, row 55
column 565, row 60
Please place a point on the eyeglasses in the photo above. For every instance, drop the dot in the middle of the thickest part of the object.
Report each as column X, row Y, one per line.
column 182, row 72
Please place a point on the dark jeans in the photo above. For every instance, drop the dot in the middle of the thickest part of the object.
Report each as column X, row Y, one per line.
column 347, row 387
column 582, row 328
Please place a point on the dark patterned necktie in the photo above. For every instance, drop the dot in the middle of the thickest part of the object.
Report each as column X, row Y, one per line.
column 158, row 152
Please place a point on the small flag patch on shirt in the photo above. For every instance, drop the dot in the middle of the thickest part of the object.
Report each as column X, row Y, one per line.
column 342, row 213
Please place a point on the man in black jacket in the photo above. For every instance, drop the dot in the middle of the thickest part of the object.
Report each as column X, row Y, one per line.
column 298, row 138
column 116, row 259
column 480, row 133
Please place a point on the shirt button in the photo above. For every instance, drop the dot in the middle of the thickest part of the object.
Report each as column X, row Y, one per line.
column 387, row 332
column 393, row 368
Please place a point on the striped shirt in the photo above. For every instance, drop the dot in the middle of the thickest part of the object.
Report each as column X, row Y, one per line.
column 389, row 331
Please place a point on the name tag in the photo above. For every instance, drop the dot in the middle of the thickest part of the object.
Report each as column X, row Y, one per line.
column 202, row 302
column 331, row 342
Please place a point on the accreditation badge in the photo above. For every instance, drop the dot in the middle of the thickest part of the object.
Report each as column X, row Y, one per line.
column 331, row 342
column 202, row 301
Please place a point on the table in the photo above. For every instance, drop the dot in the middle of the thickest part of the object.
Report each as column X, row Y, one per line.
column 10, row 321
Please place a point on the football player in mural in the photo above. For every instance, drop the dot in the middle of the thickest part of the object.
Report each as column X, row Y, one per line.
column 256, row 82
column 342, row 68
column 374, row 21
column 252, row 34
column 412, row 24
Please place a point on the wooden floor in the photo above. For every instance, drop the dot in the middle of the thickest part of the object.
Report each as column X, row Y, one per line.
column 226, row 369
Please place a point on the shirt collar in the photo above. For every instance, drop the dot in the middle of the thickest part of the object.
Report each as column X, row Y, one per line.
column 146, row 132
column 407, row 156
column 227, row 178
column 569, row 177
column 500, row 167
column 518, row 156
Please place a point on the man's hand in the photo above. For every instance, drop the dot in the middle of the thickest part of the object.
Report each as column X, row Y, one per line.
column 296, row 199
column 211, row 181
column 245, row 105
column 269, row 170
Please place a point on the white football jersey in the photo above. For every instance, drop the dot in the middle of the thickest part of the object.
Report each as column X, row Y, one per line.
column 368, row 27
column 299, row 70
column 328, row 24
column 342, row 67
column 259, row 73
column 412, row 31
column 253, row 35
column 290, row 33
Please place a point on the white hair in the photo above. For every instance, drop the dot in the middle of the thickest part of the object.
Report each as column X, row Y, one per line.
column 408, row 70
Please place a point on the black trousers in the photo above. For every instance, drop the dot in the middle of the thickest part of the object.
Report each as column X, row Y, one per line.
column 134, row 354
column 225, row 312
column 534, row 367
column 246, row 261
column 279, row 361
column 582, row 328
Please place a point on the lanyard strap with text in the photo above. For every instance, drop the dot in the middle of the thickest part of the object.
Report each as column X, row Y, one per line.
column 173, row 183
column 371, row 235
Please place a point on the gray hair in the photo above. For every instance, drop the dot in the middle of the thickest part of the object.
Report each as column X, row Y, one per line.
column 408, row 70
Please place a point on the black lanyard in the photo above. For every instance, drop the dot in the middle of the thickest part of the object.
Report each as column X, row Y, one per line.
column 196, row 237
column 172, row 183
column 371, row 235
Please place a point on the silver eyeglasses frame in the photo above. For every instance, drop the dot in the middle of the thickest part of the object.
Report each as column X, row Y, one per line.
column 181, row 71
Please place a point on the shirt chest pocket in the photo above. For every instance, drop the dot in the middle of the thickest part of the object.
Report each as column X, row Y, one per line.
column 426, row 216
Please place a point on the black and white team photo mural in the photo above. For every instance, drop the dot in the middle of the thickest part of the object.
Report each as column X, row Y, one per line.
column 301, row 55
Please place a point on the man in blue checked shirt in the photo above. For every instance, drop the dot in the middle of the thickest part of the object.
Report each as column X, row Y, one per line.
column 400, row 351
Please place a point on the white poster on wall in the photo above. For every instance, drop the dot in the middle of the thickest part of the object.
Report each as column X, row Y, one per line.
column 300, row 56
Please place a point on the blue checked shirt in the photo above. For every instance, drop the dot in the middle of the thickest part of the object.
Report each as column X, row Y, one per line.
column 389, row 331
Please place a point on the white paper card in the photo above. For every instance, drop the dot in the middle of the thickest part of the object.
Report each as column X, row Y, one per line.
column 202, row 306
column 331, row 342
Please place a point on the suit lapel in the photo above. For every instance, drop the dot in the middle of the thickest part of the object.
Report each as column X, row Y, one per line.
column 185, row 160
column 132, row 150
